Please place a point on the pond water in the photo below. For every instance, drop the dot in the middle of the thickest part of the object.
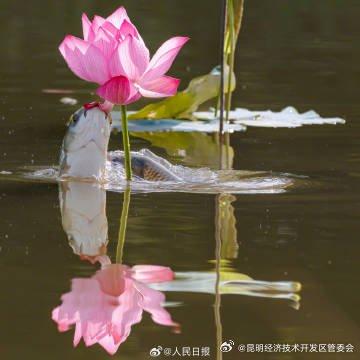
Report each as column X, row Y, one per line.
column 304, row 54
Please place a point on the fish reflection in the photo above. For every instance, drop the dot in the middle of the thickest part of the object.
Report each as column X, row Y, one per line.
column 83, row 215
column 103, row 308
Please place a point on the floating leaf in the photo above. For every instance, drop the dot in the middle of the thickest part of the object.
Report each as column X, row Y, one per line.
column 183, row 104
column 286, row 118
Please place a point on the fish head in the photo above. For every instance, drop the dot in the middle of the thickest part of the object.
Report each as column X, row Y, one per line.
column 89, row 123
column 84, row 150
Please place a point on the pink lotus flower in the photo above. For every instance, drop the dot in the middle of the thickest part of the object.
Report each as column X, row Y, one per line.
column 113, row 55
column 104, row 307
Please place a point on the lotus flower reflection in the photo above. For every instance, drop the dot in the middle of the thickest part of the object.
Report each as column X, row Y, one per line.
column 113, row 55
column 103, row 308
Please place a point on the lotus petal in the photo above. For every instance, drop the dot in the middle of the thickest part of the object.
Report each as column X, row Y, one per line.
column 130, row 59
column 151, row 273
column 118, row 16
column 161, row 87
column 118, row 90
column 164, row 57
column 86, row 25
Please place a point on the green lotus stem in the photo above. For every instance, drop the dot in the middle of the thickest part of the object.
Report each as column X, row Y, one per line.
column 227, row 151
column 126, row 142
column 222, row 69
column 235, row 10
column 238, row 16
column 230, row 54
column 123, row 223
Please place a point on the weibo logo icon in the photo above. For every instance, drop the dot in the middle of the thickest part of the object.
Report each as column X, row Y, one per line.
column 227, row 346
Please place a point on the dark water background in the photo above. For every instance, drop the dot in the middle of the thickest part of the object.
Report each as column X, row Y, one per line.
column 300, row 53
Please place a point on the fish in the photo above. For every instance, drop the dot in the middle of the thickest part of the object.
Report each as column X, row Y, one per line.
column 84, row 152
column 144, row 167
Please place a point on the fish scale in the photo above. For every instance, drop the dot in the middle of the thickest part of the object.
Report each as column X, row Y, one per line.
column 153, row 175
